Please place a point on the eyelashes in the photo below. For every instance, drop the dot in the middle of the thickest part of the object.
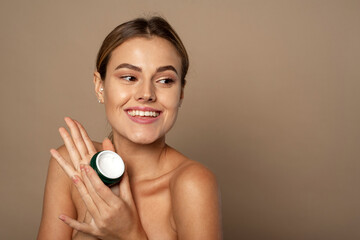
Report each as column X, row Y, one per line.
column 163, row 81
column 166, row 81
column 128, row 78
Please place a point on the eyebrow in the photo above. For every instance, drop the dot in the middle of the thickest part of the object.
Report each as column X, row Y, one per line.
column 165, row 68
column 127, row 65
column 138, row 69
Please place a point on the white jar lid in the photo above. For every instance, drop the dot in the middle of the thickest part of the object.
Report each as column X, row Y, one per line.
column 110, row 164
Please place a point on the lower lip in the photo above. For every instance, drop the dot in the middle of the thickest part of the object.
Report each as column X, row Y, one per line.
column 143, row 120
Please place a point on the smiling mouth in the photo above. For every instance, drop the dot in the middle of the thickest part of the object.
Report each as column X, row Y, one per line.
column 139, row 113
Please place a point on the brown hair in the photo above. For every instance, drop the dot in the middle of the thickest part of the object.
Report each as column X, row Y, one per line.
column 141, row 27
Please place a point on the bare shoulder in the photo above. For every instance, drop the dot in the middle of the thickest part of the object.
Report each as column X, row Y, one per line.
column 54, row 167
column 57, row 200
column 195, row 202
column 192, row 174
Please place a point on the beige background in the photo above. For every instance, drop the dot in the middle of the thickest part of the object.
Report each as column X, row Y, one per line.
column 271, row 106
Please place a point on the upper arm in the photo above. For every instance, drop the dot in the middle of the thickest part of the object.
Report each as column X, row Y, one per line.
column 196, row 204
column 57, row 200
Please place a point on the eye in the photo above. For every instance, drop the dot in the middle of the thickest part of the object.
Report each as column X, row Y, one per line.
column 128, row 78
column 167, row 81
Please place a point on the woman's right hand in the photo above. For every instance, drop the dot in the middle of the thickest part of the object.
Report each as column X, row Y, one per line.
column 79, row 146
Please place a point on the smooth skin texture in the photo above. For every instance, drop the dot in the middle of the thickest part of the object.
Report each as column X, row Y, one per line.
column 163, row 195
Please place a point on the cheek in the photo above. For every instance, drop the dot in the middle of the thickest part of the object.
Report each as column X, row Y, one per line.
column 116, row 96
column 171, row 103
column 170, row 100
column 115, row 99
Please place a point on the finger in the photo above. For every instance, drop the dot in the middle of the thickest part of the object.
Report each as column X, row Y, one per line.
column 77, row 138
column 70, row 146
column 107, row 145
column 67, row 167
column 82, row 227
column 125, row 189
column 89, row 144
column 98, row 201
column 100, row 188
column 86, row 197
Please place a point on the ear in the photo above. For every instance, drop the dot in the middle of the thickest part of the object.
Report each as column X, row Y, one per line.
column 99, row 87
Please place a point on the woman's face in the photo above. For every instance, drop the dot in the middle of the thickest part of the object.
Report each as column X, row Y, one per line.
column 142, row 90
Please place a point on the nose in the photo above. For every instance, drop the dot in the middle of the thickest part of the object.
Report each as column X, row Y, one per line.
column 145, row 92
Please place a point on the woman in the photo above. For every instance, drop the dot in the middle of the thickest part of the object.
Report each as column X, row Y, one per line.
column 140, row 79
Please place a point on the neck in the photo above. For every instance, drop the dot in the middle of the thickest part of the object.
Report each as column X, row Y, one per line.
column 142, row 161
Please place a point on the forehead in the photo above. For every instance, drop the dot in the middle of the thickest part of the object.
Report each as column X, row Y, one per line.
column 145, row 53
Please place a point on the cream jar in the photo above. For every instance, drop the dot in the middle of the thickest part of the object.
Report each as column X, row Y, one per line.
column 109, row 166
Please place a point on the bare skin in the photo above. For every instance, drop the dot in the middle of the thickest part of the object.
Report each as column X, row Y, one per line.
column 168, row 205
column 163, row 194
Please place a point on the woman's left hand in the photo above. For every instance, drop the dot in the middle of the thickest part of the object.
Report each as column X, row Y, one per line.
column 113, row 217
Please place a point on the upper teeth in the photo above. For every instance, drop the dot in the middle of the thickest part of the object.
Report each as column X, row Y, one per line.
column 143, row 113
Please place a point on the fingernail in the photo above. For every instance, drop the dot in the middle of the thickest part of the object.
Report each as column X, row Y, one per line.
column 82, row 167
column 62, row 217
column 75, row 179
column 87, row 169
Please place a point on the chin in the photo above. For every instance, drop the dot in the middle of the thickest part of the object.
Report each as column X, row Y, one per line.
column 144, row 138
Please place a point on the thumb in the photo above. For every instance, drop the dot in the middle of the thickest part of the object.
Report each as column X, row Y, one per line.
column 125, row 189
column 107, row 145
